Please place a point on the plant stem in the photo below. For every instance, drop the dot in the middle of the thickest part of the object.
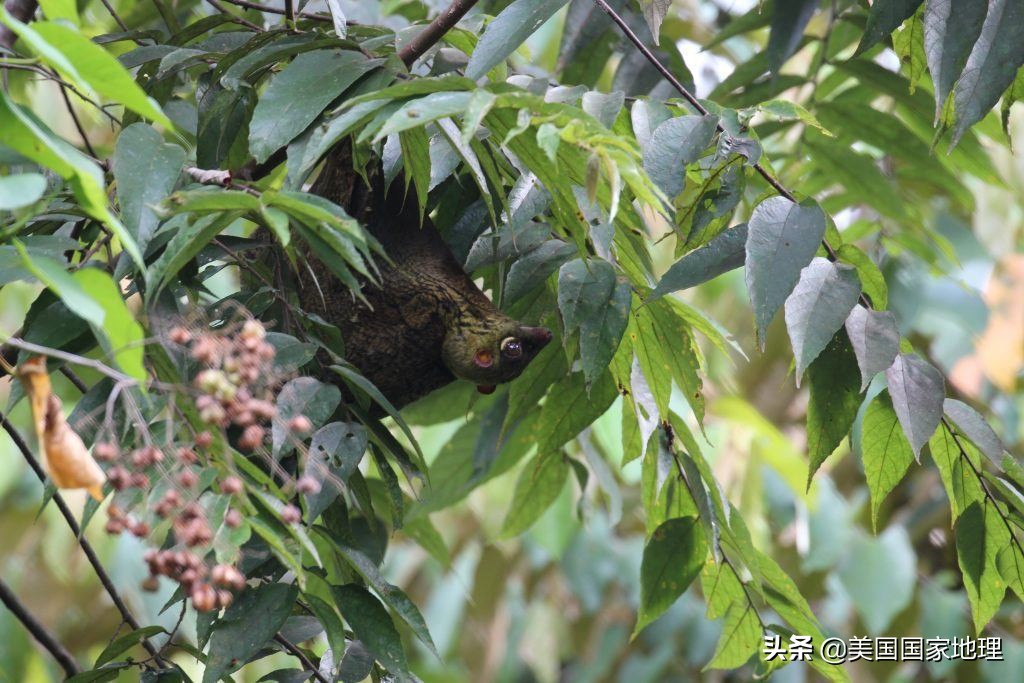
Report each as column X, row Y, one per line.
column 38, row 631
column 306, row 661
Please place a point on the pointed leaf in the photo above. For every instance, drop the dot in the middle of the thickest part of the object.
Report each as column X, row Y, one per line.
column 980, row 535
column 146, row 170
column 372, row 625
column 654, row 12
column 817, row 308
column 782, row 238
column 725, row 252
column 538, row 486
column 975, row 428
column 884, row 17
column 508, row 31
column 835, row 398
column 875, row 340
column 885, row 451
column 673, row 558
column 917, row 391
column 950, row 30
column 674, row 144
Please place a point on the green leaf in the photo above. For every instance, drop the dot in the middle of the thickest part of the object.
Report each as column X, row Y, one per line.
column 871, row 278
column 665, row 351
column 120, row 334
column 507, row 32
column 789, row 19
column 857, row 174
column 958, row 478
column 86, row 64
column 975, row 428
column 297, row 95
column 673, row 558
column 594, row 301
column 421, row 111
column 28, row 136
column 537, row 487
column 392, row 595
column 574, row 409
column 21, row 189
column 818, row 307
column 782, row 238
column 146, row 170
column 183, row 247
column 917, row 389
column 787, row 110
column 247, row 626
column 741, row 630
column 886, row 454
column 674, row 144
column 223, row 115
column 125, row 643
column 301, row 396
column 372, row 625
column 533, row 269
column 884, row 17
column 835, row 397
column 980, row 535
column 880, row 574
column 991, row 66
column 725, row 252
column 950, row 30
column 875, row 339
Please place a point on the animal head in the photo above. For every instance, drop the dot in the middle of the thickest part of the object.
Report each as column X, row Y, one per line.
column 492, row 354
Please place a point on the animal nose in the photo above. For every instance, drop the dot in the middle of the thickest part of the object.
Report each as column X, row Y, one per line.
column 538, row 337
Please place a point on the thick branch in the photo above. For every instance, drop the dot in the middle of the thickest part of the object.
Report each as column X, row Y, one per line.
column 38, row 631
column 22, row 10
column 87, row 548
column 434, row 31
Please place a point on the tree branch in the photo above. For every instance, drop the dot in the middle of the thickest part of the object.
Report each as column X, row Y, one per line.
column 22, row 10
column 306, row 661
column 87, row 548
column 434, row 31
column 38, row 631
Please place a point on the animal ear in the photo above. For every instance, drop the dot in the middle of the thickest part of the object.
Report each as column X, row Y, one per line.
column 483, row 358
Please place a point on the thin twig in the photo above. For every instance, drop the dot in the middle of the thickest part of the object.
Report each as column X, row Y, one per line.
column 87, row 548
column 56, row 79
column 244, row 22
column 274, row 10
column 78, row 123
column 38, row 631
column 306, row 661
column 434, row 31
column 71, row 358
column 117, row 18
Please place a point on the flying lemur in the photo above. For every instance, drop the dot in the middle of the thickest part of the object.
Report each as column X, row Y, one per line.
column 426, row 323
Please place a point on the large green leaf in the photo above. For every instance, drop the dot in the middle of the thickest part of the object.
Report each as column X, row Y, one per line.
column 508, row 31
column 537, row 487
column 86, row 64
column 297, row 95
column 334, row 453
column 955, row 470
column 247, row 626
column 594, row 301
column 372, row 625
column 992, row 64
column 980, row 535
column 146, row 170
column 782, row 238
column 725, row 252
column 835, row 397
column 674, row 144
column 573, row 409
column 665, row 351
column 673, row 558
column 950, row 29
column 884, row 17
column 818, row 307
column 886, row 454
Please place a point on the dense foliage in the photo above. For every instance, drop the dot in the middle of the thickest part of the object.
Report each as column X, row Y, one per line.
column 587, row 192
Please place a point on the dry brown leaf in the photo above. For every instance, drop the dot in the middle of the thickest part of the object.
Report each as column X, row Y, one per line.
column 65, row 457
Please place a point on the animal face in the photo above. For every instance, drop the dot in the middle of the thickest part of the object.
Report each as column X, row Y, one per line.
column 495, row 354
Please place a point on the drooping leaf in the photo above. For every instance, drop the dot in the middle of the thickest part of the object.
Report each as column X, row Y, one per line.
column 297, row 95
column 372, row 625
column 875, row 339
column 725, row 252
column 950, row 30
column 975, row 428
column 835, row 397
column 991, row 66
column 956, row 469
column 817, row 308
column 594, row 301
column 533, row 268
column 917, row 391
column 508, row 31
column 885, row 451
column 664, row 349
column 980, row 535
column 884, row 17
column 538, row 486
column 782, row 238
column 146, row 170
column 674, row 144
column 654, row 12
column 673, row 558
column 573, row 409
column 789, row 19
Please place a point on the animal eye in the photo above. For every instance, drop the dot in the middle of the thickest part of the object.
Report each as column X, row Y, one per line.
column 511, row 347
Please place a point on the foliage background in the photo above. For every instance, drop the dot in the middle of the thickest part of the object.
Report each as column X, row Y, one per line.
column 559, row 603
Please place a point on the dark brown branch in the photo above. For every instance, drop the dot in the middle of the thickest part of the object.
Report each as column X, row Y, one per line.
column 77, row 122
column 38, row 631
column 22, row 10
column 244, row 22
column 695, row 103
column 87, row 548
column 274, row 10
column 434, row 31
column 306, row 661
